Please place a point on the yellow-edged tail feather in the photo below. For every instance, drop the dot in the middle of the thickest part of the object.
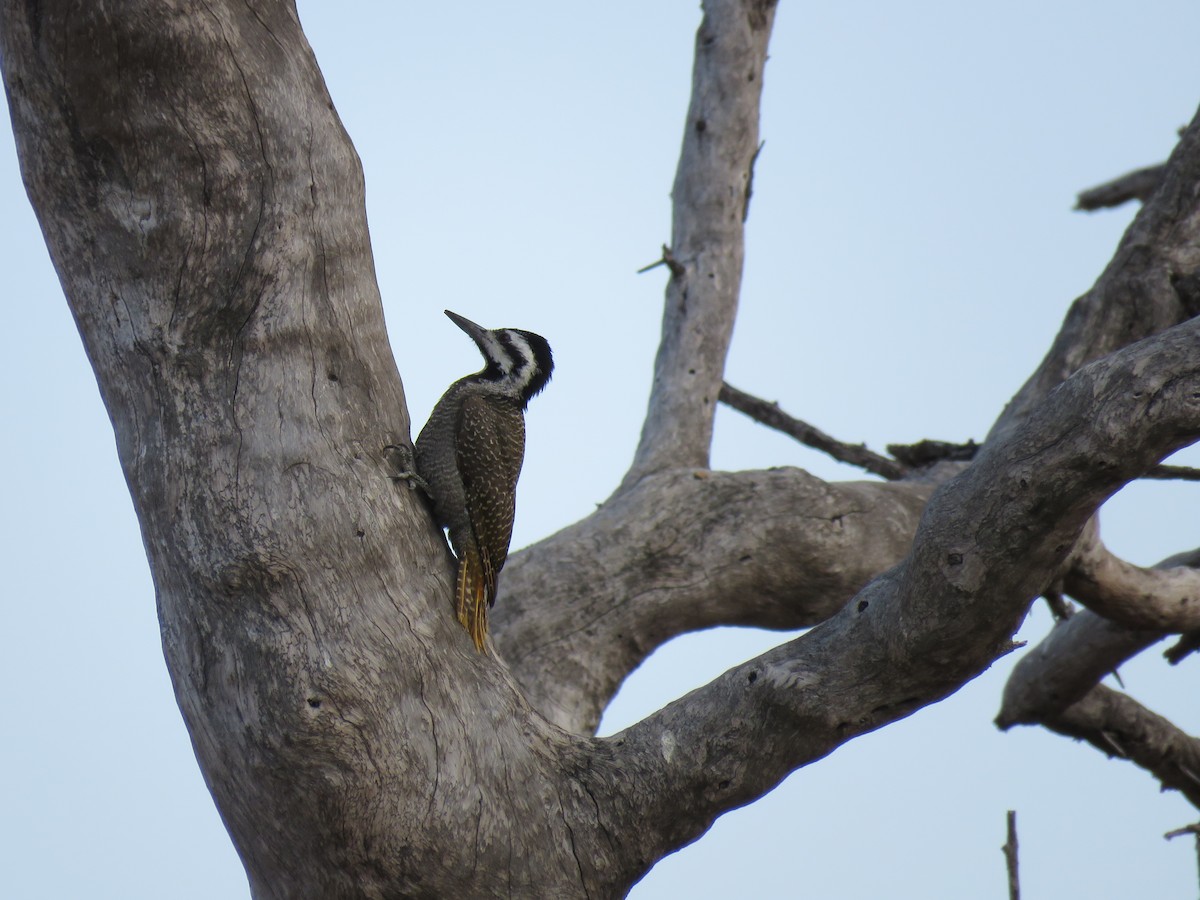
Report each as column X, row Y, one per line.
column 475, row 591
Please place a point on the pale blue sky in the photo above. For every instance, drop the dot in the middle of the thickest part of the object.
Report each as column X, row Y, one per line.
column 911, row 254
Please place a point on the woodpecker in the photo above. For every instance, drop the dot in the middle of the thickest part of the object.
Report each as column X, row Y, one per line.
column 469, row 455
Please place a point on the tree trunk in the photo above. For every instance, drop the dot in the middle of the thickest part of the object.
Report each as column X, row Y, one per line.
column 204, row 209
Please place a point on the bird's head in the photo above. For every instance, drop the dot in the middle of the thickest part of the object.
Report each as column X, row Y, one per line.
column 518, row 361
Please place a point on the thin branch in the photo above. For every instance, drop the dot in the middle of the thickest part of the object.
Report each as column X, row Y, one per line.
column 708, row 198
column 1183, row 648
column 1060, row 607
column 667, row 259
column 1176, row 473
column 1010, row 857
column 772, row 416
column 1119, row 726
column 1188, row 829
column 1076, row 655
column 1136, row 185
column 927, row 452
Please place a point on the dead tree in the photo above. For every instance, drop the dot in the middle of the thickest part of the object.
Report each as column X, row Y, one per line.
column 204, row 209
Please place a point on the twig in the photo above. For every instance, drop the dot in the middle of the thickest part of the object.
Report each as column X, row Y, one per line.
column 1136, row 185
column 1187, row 829
column 925, row 453
column 772, row 416
column 1179, row 473
column 667, row 260
column 1010, row 857
column 1060, row 607
column 1186, row 645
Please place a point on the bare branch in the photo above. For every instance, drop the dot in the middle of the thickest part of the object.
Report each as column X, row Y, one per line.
column 1060, row 607
column 927, row 452
column 1136, row 185
column 1076, row 655
column 1183, row 648
column 1066, row 664
column 720, row 143
column 1010, row 857
column 772, row 416
column 1193, row 830
column 1118, row 725
column 1180, row 832
column 1173, row 473
column 667, row 259
column 1158, row 599
column 1151, row 284
column 986, row 544
column 682, row 551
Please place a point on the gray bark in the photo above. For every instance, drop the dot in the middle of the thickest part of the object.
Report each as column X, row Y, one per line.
column 1164, row 599
column 1150, row 284
column 1119, row 726
column 711, row 198
column 204, row 209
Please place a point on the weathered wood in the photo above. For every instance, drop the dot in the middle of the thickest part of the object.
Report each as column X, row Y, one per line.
column 204, row 209
column 709, row 202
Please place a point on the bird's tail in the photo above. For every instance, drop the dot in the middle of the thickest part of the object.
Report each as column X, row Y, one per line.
column 475, row 589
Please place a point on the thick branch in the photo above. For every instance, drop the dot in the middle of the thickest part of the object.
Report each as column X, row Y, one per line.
column 1119, row 726
column 1158, row 599
column 1066, row 664
column 1076, row 655
column 1151, row 284
column 720, row 142
column 772, row 416
column 985, row 546
column 685, row 550
column 1147, row 287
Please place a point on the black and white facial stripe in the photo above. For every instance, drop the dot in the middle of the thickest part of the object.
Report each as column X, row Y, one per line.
column 519, row 362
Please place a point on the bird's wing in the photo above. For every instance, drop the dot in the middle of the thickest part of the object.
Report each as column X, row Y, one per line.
column 491, row 446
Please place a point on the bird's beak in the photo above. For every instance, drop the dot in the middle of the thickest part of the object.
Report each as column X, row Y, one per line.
column 475, row 332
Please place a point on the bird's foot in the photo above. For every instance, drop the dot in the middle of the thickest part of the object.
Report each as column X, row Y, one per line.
column 403, row 468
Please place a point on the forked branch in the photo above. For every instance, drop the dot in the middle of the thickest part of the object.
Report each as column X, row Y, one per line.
column 988, row 541
column 1082, row 649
